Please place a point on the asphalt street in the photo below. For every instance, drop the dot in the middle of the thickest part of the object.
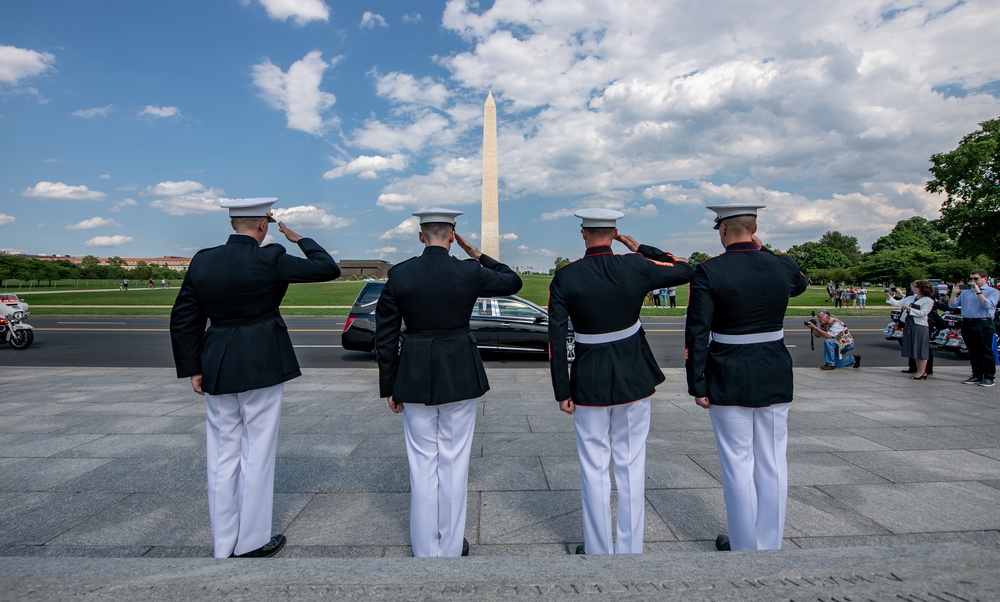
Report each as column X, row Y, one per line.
column 143, row 342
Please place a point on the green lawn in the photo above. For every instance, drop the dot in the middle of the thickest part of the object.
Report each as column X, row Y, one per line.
column 340, row 293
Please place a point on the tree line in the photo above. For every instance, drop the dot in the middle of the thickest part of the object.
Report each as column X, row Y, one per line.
column 28, row 269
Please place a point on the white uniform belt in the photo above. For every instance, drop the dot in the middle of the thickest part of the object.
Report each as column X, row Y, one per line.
column 748, row 339
column 607, row 337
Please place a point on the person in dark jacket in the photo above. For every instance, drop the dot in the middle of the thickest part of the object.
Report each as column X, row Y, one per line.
column 614, row 374
column 240, row 364
column 435, row 375
column 738, row 368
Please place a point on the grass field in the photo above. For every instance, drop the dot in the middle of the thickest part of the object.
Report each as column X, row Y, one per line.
column 332, row 299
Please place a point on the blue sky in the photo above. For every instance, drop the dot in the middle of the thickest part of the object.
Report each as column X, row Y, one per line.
column 124, row 123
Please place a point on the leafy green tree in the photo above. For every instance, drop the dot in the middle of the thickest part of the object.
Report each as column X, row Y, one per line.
column 970, row 177
column 914, row 232
column 89, row 266
column 698, row 257
column 141, row 271
column 800, row 253
column 900, row 266
column 822, row 257
column 116, row 267
column 560, row 262
column 848, row 245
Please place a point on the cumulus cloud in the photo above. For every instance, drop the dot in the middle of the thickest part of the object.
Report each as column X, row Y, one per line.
column 183, row 198
column 412, row 18
column 310, row 216
column 408, row 228
column 381, row 252
column 94, row 112
column 6, row 219
column 90, row 224
column 370, row 20
column 108, row 241
column 454, row 181
column 297, row 92
column 300, row 11
column 405, row 88
column 122, row 204
column 62, row 192
column 159, row 112
column 508, row 236
column 367, row 168
column 20, row 63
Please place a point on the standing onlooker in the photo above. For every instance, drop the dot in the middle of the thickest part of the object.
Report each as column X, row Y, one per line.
column 838, row 296
column 916, row 333
column 656, row 296
column 240, row 364
column 863, row 296
column 435, row 375
column 739, row 369
column 942, row 291
column 672, row 293
column 838, row 341
column 829, row 290
column 979, row 305
column 613, row 376
column 664, row 293
column 852, row 294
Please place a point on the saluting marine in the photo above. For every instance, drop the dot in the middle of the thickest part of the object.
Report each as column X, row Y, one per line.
column 738, row 367
column 240, row 364
column 436, row 374
column 613, row 376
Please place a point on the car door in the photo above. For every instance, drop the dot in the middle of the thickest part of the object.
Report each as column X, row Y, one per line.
column 521, row 326
column 484, row 323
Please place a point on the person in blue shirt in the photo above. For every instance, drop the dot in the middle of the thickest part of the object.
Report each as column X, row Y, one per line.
column 979, row 305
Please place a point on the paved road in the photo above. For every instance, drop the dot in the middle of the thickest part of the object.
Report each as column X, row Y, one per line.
column 143, row 342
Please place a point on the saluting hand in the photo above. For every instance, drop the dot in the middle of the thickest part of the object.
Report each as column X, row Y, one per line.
column 468, row 247
column 628, row 241
column 757, row 241
column 289, row 234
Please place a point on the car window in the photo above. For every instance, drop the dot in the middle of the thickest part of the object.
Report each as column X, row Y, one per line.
column 368, row 297
column 482, row 308
column 510, row 308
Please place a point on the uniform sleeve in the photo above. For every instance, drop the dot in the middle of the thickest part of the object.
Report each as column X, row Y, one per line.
column 701, row 306
column 799, row 282
column 388, row 321
column 495, row 278
column 665, row 270
column 558, row 331
column 318, row 265
column 187, row 329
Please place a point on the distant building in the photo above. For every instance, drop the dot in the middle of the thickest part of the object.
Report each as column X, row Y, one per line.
column 172, row 262
column 373, row 268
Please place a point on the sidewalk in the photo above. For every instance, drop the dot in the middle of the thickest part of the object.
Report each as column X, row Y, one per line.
column 893, row 492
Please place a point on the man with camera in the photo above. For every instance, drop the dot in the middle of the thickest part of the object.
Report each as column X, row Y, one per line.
column 978, row 301
column 838, row 341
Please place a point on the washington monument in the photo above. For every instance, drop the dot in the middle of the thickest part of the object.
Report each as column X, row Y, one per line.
column 491, row 214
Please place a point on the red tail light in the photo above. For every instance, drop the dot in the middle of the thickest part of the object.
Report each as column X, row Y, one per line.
column 347, row 324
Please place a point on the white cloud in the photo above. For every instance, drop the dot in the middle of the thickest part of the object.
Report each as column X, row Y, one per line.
column 412, row 18
column 406, row 89
column 300, row 11
column 297, row 92
column 381, row 252
column 122, row 204
column 183, row 198
column 367, row 168
column 159, row 112
column 6, row 220
column 90, row 224
column 386, row 138
column 454, row 181
column 20, row 63
column 370, row 20
column 94, row 112
column 62, row 192
column 105, row 176
column 508, row 236
column 310, row 216
column 108, row 241
column 407, row 228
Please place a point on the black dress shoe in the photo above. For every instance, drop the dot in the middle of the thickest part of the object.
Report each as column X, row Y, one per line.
column 267, row 550
column 722, row 543
column 908, row 371
column 581, row 549
column 465, row 547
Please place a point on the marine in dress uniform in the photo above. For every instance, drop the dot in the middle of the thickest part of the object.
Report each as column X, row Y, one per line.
column 738, row 368
column 240, row 363
column 436, row 374
column 614, row 375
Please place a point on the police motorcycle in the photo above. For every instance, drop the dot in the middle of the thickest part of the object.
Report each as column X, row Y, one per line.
column 894, row 330
column 949, row 337
column 14, row 327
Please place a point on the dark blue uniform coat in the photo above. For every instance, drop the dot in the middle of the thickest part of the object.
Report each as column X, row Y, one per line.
column 601, row 293
column 239, row 286
column 742, row 291
column 433, row 294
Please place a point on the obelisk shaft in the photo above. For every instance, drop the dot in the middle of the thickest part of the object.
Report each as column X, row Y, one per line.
column 491, row 194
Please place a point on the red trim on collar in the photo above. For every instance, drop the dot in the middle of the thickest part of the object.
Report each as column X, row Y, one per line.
column 600, row 250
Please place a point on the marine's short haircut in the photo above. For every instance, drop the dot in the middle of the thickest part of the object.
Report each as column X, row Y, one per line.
column 243, row 224
column 600, row 232
column 436, row 230
column 743, row 224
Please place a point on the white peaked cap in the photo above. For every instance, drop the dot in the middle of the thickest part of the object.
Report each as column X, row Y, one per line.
column 437, row 215
column 724, row 212
column 256, row 207
column 599, row 217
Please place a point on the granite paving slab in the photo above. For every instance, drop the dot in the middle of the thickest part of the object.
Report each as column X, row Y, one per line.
column 43, row 474
column 926, row 465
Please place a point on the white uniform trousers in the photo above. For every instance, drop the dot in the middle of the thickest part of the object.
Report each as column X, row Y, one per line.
column 242, row 431
column 438, row 446
column 604, row 433
column 752, row 443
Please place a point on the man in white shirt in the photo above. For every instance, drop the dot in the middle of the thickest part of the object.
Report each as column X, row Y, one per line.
column 830, row 328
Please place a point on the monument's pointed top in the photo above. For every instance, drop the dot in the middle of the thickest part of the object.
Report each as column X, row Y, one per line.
column 489, row 99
